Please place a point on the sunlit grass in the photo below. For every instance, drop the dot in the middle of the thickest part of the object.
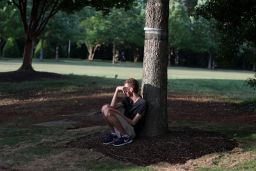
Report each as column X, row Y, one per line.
column 87, row 75
column 83, row 75
column 122, row 70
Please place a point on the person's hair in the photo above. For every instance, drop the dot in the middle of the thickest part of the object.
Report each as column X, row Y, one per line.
column 133, row 83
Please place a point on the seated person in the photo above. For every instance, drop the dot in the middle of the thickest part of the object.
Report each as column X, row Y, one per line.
column 124, row 125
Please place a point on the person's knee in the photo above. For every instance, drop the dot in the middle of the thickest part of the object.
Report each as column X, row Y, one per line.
column 104, row 108
column 107, row 111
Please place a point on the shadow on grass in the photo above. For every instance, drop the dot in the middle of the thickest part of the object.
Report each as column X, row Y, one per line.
column 178, row 146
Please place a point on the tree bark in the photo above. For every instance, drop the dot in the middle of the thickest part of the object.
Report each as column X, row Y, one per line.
column 154, row 83
column 27, row 55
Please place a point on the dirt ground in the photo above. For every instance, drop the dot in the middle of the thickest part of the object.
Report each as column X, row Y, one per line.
column 178, row 146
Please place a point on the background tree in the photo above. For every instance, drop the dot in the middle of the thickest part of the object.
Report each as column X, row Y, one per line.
column 35, row 15
column 180, row 36
column 205, row 39
column 236, row 21
column 52, row 42
column 154, row 83
column 10, row 26
column 93, row 32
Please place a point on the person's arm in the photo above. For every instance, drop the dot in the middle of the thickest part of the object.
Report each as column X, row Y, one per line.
column 134, row 120
column 114, row 99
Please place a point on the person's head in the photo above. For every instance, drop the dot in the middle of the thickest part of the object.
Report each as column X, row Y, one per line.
column 131, row 86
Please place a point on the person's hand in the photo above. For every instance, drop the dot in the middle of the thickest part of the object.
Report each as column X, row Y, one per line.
column 120, row 88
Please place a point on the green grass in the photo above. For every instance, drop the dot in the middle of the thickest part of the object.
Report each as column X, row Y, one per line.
column 83, row 75
column 124, row 70
column 237, row 90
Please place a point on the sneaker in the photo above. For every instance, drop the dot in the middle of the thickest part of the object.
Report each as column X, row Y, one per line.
column 109, row 139
column 125, row 139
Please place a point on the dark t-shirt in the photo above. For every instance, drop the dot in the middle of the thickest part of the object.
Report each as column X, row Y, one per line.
column 132, row 109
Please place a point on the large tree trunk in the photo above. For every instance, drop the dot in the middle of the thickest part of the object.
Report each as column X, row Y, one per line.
column 154, row 83
column 27, row 55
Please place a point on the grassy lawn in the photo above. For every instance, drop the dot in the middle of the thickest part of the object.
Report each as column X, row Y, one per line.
column 29, row 146
column 123, row 70
column 84, row 74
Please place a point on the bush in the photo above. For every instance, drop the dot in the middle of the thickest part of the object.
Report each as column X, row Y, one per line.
column 11, row 49
column 252, row 82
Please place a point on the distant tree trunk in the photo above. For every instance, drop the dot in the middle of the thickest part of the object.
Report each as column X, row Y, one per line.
column 57, row 53
column 41, row 56
column 2, row 42
column 115, row 54
column 213, row 63
column 69, row 48
column 136, row 55
column 154, row 83
column 91, row 51
column 177, row 58
column 27, row 55
column 210, row 61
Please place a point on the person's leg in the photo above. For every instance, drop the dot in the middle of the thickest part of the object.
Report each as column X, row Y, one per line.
column 104, row 111
column 109, row 115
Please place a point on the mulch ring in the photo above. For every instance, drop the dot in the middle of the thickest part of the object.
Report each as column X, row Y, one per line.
column 178, row 146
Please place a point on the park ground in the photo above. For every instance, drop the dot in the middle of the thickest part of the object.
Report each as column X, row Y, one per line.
column 52, row 121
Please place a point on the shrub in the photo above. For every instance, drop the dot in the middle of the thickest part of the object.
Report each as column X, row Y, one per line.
column 11, row 49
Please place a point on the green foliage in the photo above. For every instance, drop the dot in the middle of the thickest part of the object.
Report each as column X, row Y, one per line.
column 38, row 48
column 11, row 49
column 236, row 21
column 126, row 27
column 10, row 25
column 93, row 29
column 179, row 26
column 189, row 32
column 47, row 47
